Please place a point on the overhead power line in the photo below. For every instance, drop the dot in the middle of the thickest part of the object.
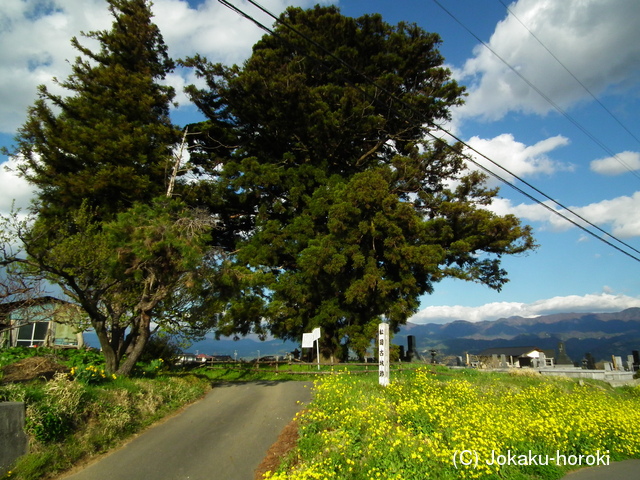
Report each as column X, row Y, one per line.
column 468, row 157
column 586, row 89
column 548, row 99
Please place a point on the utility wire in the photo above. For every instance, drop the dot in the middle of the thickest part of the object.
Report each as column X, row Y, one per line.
column 394, row 97
column 586, row 89
column 468, row 157
column 577, row 124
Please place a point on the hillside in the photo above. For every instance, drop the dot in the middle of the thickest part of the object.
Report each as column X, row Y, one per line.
column 601, row 334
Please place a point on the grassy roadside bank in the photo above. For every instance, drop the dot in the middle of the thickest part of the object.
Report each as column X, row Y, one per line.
column 80, row 411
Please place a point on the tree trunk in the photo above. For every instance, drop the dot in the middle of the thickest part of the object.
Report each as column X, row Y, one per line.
column 111, row 357
column 138, row 343
column 330, row 350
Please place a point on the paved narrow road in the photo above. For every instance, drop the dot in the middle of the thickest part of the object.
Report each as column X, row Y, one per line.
column 224, row 436
column 625, row 470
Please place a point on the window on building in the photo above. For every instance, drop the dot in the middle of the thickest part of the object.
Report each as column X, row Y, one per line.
column 32, row 334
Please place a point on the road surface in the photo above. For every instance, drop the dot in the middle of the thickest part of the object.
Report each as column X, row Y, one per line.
column 224, row 436
column 625, row 470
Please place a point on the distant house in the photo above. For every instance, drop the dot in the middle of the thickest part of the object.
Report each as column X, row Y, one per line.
column 202, row 358
column 45, row 321
column 515, row 356
column 186, row 359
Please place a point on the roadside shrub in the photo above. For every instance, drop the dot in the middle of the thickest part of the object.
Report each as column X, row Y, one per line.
column 149, row 369
column 81, row 357
column 90, row 375
column 162, row 346
column 70, row 420
column 53, row 417
column 14, row 354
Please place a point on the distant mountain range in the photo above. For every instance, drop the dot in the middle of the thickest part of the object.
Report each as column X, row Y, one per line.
column 601, row 334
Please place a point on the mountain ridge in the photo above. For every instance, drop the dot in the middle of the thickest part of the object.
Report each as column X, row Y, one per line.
column 601, row 334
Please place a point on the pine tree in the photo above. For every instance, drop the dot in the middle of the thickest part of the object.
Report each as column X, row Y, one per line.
column 350, row 212
column 105, row 230
column 109, row 142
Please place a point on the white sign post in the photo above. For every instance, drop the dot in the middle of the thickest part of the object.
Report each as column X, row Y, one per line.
column 383, row 354
column 309, row 338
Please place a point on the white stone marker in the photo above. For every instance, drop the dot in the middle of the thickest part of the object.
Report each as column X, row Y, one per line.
column 383, row 354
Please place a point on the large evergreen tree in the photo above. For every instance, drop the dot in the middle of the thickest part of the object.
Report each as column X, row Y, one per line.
column 109, row 142
column 345, row 212
column 105, row 229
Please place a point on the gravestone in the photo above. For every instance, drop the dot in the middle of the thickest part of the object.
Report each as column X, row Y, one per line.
column 412, row 352
column 503, row 360
column 542, row 360
column 591, row 362
column 608, row 367
column 618, row 363
column 630, row 363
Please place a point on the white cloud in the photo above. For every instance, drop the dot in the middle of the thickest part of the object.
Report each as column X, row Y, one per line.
column 620, row 163
column 619, row 215
column 590, row 303
column 213, row 30
column 518, row 158
column 35, row 41
column 35, row 46
column 533, row 212
column 16, row 192
column 595, row 40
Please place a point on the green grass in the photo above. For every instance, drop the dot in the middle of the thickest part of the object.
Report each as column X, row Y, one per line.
column 73, row 421
column 294, row 371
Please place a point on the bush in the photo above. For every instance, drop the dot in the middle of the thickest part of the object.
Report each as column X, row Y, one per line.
column 50, row 418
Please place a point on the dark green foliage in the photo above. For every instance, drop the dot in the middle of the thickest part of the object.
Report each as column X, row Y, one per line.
column 343, row 213
column 52, row 426
column 104, row 229
column 80, row 357
column 108, row 144
column 162, row 346
column 124, row 272
column 70, row 357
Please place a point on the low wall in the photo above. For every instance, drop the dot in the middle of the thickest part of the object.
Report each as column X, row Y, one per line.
column 13, row 441
column 614, row 377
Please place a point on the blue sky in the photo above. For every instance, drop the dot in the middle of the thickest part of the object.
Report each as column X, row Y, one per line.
column 596, row 174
